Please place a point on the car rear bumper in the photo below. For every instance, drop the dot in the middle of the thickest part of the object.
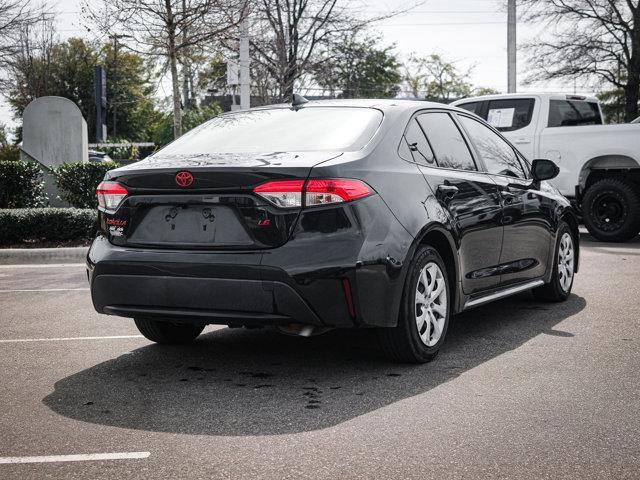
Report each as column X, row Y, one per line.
column 196, row 288
column 325, row 275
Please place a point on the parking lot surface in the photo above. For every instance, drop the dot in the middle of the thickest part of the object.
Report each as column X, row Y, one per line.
column 521, row 389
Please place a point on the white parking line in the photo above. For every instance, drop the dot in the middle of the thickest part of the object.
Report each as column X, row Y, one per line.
column 67, row 339
column 83, row 289
column 43, row 265
column 76, row 458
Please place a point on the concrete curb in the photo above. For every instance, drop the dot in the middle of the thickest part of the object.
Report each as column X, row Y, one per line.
column 21, row 256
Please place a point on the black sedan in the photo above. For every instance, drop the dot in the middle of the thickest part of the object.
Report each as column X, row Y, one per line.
column 384, row 214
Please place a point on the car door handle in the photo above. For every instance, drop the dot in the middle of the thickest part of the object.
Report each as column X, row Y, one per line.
column 522, row 141
column 509, row 195
column 448, row 191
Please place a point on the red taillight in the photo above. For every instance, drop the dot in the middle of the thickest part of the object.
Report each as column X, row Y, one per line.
column 110, row 194
column 282, row 193
column 288, row 193
column 320, row 192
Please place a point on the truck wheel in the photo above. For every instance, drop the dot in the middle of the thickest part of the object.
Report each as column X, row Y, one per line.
column 167, row 332
column 611, row 210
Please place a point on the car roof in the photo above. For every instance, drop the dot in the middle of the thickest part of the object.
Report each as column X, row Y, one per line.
column 550, row 96
column 381, row 104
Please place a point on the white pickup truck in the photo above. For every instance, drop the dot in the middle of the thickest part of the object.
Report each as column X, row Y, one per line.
column 599, row 164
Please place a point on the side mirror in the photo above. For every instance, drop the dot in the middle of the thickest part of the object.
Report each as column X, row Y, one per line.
column 542, row 169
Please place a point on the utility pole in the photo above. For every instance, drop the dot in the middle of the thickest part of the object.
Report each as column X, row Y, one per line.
column 245, row 79
column 114, row 102
column 511, row 46
column 185, row 63
column 100, row 95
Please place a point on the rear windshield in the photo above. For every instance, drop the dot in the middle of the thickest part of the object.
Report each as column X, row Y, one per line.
column 281, row 130
column 567, row 113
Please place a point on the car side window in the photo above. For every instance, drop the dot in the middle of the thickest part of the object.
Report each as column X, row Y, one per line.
column 473, row 107
column 510, row 114
column 446, row 140
column 418, row 145
column 565, row 113
column 498, row 156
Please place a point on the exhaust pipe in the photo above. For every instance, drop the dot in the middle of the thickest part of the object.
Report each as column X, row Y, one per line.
column 299, row 330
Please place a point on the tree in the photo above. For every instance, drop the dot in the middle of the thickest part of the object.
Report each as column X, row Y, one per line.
column 287, row 35
column 43, row 66
column 435, row 79
column 15, row 17
column 8, row 150
column 167, row 29
column 589, row 38
column 613, row 104
column 358, row 68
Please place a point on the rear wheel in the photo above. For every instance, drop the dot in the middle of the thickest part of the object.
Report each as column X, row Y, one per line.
column 611, row 210
column 424, row 314
column 561, row 283
column 167, row 332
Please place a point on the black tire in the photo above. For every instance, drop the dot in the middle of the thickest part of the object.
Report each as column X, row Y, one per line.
column 611, row 210
column 553, row 291
column 168, row 333
column 403, row 343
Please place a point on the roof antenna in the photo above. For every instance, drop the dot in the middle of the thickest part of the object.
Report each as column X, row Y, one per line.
column 298, row 101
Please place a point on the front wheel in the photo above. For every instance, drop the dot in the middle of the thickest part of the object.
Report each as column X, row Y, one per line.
column 424, row 314
column 559, row 289
column 166, row 332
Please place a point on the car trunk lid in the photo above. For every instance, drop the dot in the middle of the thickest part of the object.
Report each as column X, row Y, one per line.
column 206, row 201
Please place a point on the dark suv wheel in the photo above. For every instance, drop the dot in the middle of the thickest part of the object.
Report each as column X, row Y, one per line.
column 611, row 210
column 425, row 311
column 167, row 332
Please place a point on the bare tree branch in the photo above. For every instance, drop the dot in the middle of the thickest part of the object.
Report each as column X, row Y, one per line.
column 595, row 39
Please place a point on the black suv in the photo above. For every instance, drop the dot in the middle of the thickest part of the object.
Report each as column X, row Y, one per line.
column 349, row 213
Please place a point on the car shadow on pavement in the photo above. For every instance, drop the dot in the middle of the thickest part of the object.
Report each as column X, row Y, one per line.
column 259, row 382
column 616, row 248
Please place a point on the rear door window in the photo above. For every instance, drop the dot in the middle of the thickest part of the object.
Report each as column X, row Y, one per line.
column 570, row 113
column 417, row 143
column 448, row 144
column 473, row 107
column 509, row 115
column 498, row 156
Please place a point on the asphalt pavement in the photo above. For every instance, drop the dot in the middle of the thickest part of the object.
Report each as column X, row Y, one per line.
column 521, row 389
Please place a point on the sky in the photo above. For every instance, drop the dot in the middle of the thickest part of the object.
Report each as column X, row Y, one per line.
column 470, row 33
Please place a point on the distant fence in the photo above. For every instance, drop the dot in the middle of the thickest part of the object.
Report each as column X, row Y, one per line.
column 121, row 145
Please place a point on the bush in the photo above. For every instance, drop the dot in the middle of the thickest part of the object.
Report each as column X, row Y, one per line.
column 77, row 182
column 37, row 224
column 20, row 185
column 9, row 153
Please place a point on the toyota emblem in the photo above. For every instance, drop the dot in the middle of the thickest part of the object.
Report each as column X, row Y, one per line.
column 184, row 179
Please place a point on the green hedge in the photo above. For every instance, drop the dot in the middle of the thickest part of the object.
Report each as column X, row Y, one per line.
column 37, row 224
column 77, row 182
column 20, row 185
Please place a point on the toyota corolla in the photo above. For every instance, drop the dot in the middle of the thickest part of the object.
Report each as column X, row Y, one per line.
column 384, row 214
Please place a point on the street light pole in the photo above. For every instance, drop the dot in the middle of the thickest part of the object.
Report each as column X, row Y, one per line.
column 245, row 79
column 511, row 46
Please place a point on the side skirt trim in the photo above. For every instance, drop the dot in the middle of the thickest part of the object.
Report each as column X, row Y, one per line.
column 503, row 293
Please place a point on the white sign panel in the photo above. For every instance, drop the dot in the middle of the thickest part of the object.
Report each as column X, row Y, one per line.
column 501, row 117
